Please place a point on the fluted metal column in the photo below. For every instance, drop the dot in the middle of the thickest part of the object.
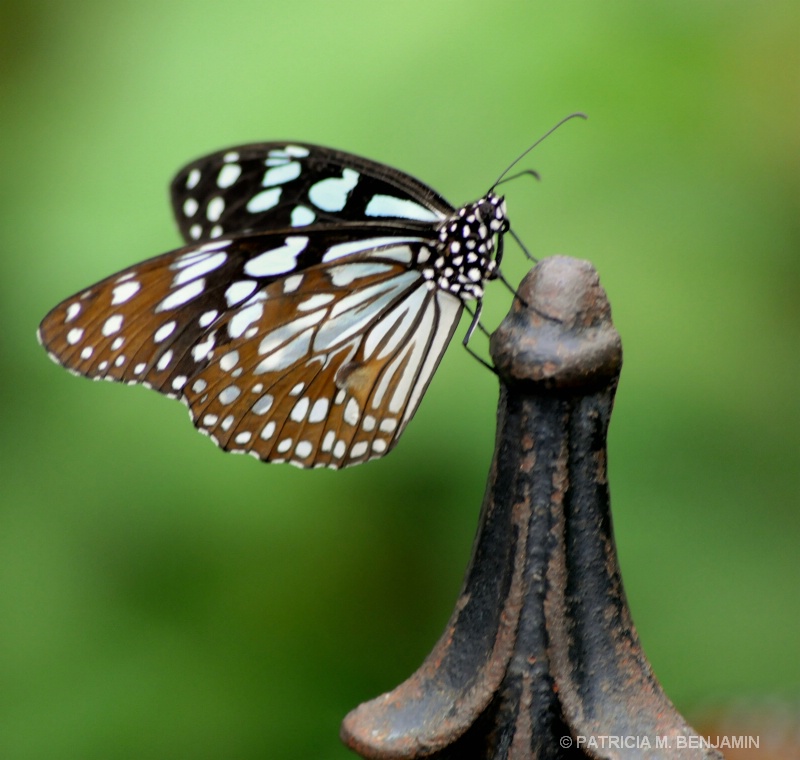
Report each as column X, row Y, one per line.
column 540, row 659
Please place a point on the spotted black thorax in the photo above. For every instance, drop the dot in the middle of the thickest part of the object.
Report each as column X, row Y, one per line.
column 464, row 260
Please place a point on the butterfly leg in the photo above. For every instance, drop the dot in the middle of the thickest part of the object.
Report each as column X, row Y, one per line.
column 476, row 323
column 523, row 247
column 510, row 287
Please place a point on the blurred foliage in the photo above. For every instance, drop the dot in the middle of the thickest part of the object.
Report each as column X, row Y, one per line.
column 159, row 599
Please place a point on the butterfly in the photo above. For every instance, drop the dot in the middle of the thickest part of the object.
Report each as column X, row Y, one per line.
column 306, row 314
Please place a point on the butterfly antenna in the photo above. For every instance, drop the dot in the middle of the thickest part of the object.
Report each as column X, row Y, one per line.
column 528, row 150
column 531, row 172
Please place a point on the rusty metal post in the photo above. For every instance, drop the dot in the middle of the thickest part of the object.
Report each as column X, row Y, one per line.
column 540, row 659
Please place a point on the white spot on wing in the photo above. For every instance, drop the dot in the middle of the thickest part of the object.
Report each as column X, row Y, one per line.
column 351, row 412
column 244, row 318
column 230, row 394
column 346, row 274
column 277, row 260
column 401, row 253
column 228, row 175
column 182, row 295
column 207, row 318
column 239, row 291
column 302, row 215
column 290, row 284
column 281, row 335
column 112, row 325
column 320, row 299
column 331, row 194
column 192, row 179
column 264, row 200
column 296, row 151
column 165, row 359
column 201, row 350
column 74, row 335
column 215, row 208
column 200, row 266
column 387, row 205
column 215, row 246
column 263, row 405
column 291, row 353
column 359, row 449
column 298, row 413
column 278, row 175
column 229, row 361
column 359, row 246
column 303, row 449
column 165, row 331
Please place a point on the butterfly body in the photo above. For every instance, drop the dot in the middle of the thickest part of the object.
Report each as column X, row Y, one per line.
column 303, row 320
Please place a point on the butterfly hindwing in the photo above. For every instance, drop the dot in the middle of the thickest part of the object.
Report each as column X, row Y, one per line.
column 290, row 185
column 314, row 349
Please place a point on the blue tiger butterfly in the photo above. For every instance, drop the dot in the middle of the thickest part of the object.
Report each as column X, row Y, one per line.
column 306, row 314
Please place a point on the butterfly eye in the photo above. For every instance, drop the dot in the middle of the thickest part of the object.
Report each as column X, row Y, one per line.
column 312, row 348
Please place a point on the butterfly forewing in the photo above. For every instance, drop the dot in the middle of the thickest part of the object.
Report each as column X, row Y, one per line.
column 321, row 367
column 287, row 185
column 305, row 321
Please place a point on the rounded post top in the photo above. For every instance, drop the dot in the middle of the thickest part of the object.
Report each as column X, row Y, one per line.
column 559, row 332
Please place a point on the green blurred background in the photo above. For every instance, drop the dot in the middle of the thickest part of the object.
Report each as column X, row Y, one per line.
column 159, row 599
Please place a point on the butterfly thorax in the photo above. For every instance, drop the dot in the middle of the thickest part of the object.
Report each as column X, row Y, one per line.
column 463, row 259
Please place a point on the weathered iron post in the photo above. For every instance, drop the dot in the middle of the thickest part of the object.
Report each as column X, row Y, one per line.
column 540, row 659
